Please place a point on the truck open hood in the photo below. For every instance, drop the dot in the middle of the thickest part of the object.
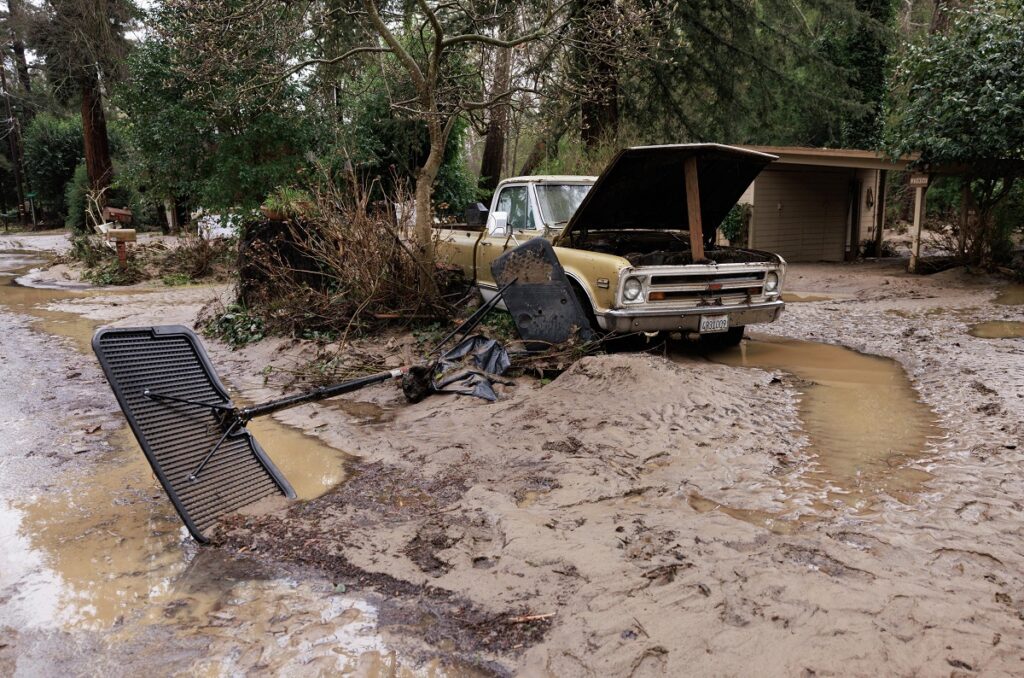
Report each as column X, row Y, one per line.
column 644, row 188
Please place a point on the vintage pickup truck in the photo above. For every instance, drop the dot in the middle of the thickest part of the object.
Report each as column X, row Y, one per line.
column 638, row 242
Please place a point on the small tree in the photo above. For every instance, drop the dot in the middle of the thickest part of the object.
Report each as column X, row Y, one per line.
column 961, row 104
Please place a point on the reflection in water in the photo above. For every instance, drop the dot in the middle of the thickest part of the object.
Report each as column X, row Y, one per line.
column 998, row 329
column 865, row 423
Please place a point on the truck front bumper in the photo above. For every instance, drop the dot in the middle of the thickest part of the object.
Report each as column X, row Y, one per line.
column 648, row 319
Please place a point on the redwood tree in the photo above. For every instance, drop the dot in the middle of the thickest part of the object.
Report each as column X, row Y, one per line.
column 83, row 48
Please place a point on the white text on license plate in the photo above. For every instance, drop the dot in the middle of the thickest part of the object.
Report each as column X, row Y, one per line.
column 714, row 323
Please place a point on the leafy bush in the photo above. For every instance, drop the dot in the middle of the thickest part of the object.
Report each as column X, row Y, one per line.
column 53, row 150
column 735, row 225
column 76, row 197
column 236, row 326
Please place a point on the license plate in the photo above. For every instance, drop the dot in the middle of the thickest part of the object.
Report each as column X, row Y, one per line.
column 714, row 323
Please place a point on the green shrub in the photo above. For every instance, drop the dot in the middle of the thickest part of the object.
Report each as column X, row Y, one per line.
column 76, row 198
column 53, row 150
column 235, row 326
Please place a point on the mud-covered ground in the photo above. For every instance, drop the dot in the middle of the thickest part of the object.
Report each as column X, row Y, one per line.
column 652, row 514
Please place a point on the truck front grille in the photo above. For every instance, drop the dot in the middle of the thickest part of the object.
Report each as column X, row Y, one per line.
column 724, row 289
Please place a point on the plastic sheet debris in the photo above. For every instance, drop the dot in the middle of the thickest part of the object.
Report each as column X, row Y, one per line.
column 472, row 368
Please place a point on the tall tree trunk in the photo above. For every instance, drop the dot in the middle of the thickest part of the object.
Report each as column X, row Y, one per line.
column 97, row 144
column 425, row 177
column 546, row 143
column 14, row 13
column 497, row 123
column 598, row 64
column 12, row 140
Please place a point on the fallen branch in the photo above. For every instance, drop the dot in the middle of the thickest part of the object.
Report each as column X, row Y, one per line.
column 526, row 618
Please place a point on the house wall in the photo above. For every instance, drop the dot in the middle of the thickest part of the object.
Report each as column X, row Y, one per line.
column 802, row 212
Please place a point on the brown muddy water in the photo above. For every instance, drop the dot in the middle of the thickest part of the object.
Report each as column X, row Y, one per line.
column 998, row 329
column 867, row 428
column 1012, row 295
column 800, row 297
column 100, row 546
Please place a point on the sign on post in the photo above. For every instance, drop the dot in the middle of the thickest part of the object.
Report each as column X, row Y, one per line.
column 919, row 180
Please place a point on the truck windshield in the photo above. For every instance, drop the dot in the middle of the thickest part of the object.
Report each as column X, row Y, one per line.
column 558, row 202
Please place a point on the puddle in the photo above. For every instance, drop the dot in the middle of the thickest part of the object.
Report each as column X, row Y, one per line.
column 797, row 298
column 1012, row 295
column 998, row 329
column 94, row 547
column 311, row 467
column 102, row 549
column 363, row 412
column 864, row 420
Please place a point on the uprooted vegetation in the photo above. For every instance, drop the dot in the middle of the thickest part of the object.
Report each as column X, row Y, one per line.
column 338, row 267
column 191, row 259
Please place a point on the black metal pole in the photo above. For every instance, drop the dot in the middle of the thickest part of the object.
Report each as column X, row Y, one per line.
column 247, row 413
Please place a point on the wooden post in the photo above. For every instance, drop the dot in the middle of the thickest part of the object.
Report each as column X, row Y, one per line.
column 880, row 211
column 693, row 210
column 920, row 183
column 915, row 248
column 122, row 255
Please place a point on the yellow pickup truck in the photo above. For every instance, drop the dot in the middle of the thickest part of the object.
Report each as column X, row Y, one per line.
column 638, row 242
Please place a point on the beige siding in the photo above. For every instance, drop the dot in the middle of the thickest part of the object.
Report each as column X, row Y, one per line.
column 802, row 214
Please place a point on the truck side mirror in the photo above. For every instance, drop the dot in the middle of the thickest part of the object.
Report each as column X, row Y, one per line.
column 476, row 215
column 499, row 223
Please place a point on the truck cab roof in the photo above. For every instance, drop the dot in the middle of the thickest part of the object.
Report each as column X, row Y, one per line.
column 550, row 179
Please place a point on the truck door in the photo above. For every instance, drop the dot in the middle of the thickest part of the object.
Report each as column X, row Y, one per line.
column 514, row 201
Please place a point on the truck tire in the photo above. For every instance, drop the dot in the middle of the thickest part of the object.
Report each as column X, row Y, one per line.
column 588, row 310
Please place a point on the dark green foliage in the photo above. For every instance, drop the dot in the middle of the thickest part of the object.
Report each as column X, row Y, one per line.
column 76, row 199
column 957, row 97
column 737, row 72
column 734, row 226
column 186, row 145
column 957, row 101
column 53, row 148
column 235, row 327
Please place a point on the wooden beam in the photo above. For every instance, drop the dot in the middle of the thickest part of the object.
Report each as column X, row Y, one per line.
column 693, row 210
column 915, row 248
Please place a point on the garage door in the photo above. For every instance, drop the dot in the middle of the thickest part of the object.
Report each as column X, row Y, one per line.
column 801, row 214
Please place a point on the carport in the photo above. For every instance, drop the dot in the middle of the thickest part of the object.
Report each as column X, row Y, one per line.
column 818, row 204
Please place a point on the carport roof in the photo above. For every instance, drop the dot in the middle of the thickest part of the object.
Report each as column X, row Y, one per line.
column 834, row 157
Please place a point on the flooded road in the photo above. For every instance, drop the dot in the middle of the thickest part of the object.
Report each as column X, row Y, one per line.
column 92, row 546
column 866, row 425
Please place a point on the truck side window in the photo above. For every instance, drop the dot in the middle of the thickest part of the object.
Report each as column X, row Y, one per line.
column 516, row 202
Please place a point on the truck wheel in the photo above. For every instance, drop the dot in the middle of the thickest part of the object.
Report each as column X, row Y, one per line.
column 728, row 339
column 588, row 310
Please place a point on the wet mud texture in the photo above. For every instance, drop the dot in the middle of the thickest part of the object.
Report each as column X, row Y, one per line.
column 624, row 519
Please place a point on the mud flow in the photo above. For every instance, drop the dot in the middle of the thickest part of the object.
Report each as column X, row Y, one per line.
column 866, row 426
column 98, row 547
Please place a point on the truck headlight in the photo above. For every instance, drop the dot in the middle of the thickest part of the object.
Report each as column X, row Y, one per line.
column 771, row 282
column 631, row 289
